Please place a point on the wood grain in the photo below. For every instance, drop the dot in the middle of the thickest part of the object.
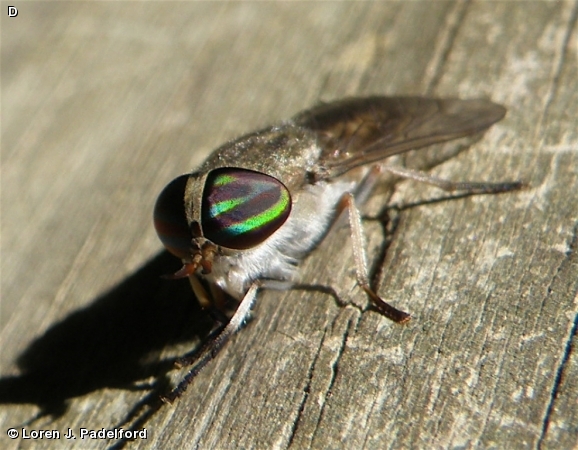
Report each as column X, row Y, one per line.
column 103, row 103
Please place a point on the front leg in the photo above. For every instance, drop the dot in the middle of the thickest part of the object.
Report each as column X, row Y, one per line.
column 211, row 348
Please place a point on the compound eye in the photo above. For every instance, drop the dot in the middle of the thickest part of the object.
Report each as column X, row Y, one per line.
column 170, row 219
column 242, row 208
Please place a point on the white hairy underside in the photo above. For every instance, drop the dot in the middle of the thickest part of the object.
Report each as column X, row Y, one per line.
column 312, row 214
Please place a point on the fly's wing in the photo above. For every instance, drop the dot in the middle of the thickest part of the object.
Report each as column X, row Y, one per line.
column 357, row 131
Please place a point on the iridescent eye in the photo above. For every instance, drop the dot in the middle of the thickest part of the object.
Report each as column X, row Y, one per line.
column 241, row 208
column 170, row 218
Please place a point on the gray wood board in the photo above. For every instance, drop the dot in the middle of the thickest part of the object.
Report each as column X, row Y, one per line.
column 103, row 103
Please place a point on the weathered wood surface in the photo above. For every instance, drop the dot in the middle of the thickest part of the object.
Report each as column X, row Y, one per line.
column 104, row 103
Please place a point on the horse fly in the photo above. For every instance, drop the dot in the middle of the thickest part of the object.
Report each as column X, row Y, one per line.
column 259, row 204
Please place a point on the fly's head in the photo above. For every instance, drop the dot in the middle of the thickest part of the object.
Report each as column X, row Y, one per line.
column 200, row 216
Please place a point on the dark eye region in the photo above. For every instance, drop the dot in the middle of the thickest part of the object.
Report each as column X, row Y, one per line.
column 170, row 219
column 242, row 208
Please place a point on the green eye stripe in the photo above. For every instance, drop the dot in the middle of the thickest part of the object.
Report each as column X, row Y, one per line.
column 226, row 205
column 263, row 218
column 223, row 180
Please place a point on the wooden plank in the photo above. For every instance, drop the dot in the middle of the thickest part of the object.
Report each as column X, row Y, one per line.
column 104, row 103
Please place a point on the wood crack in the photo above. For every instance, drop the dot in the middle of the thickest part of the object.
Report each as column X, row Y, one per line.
column 557, row 67
column 569, row 347
column 334, row 370
column 306, row 391
column 442, row 51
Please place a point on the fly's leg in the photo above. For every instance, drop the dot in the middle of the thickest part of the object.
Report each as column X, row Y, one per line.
column 447, row 185
column 214, row 345
column 200, row 293
column 356, row 227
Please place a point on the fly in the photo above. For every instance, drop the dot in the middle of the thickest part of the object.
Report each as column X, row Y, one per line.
column 259, row 204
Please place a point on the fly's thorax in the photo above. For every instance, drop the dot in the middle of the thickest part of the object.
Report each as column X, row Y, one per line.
column 286, row 152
